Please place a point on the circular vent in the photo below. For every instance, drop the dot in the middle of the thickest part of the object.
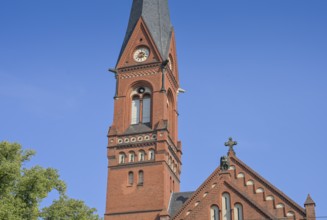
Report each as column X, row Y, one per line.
column 141, row 90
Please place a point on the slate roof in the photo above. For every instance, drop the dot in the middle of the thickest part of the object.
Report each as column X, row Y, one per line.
column 155, row 14
column 177, row 200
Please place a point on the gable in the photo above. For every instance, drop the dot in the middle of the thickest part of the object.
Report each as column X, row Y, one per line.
column 156, row 17
column 140, row 37
column 259, row 198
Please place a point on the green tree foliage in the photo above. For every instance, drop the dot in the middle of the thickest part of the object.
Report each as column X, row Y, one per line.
column 66, row 208
column 23, row 189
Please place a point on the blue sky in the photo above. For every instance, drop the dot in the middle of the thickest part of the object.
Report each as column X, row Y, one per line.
column 254, row 70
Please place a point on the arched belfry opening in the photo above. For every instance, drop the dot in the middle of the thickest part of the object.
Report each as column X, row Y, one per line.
column 141, row 105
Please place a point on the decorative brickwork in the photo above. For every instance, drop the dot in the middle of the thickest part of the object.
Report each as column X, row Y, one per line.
column 259, row 198
column 144, row 156
column 144, row 153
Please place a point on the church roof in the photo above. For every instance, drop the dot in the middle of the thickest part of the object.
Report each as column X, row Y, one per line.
column 155, row 14
column 238, row 180
column 177, row 200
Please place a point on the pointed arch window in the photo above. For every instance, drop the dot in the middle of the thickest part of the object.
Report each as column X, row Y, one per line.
column 214, row 213
column 141, row 106
column 226, row 215
column 238, row 212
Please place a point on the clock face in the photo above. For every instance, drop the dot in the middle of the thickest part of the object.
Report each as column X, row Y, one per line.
column 141, row 54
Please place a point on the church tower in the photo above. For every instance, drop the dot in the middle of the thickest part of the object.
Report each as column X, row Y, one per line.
column 144, row 152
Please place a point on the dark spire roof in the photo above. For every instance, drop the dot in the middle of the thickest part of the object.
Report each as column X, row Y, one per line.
column 155, row 13
column 309, row 201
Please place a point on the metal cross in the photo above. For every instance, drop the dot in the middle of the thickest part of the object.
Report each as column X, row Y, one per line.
column 230, row 143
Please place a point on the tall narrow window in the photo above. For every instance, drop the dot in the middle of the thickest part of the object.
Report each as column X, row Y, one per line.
column 135, row 110
column 238, row 212
column 226, row 207
column 122, row 158
column 151, row 155
column 146, row 111
column 141, row 155
column 131, row 156
column 130, row 178
column 141, row 177
column 214, row 213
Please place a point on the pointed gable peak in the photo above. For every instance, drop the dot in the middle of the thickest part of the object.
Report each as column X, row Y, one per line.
column 155, row 14
column 309, row 201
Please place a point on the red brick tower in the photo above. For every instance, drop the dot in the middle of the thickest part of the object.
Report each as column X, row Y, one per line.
column 144, row 153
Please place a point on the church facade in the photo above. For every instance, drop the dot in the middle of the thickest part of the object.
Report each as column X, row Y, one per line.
column 145, row 154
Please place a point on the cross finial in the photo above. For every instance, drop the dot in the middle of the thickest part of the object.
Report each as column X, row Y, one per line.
column 230, row 143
